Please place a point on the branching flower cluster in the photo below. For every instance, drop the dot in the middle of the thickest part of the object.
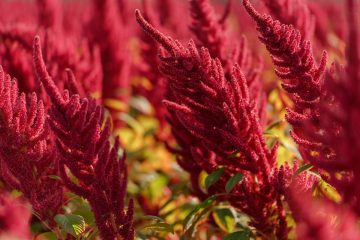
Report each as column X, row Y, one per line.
column 213, row 116
column 193, row 119
column 84, row 148
column 295, row 65
column 27, row 155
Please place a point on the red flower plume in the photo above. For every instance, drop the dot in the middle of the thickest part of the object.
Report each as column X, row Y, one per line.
column 26, row 152
column 295, row 65
column 294, row 12
column 340, row 116
column 84, row 148
column 212, row 116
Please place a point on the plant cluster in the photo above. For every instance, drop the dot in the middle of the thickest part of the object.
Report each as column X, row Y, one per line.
column 167, row 119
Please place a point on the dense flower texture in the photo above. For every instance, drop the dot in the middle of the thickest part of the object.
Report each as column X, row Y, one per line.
column 211, row 33
column 209, row 30
column 320, row 219
column 106, row 29
column 61, row 51
column 292, row 55
column 219, row 118
column 324, row 113
column 84, row 148
column 218, row 96
column 27, row 158
column 295, row 12
column 340, row 115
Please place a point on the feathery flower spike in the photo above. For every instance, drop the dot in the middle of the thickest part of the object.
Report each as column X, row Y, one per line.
column 294, row 12
column 340, row 116
column 84, row 149
column 302, row 78
column 26, row 153
column 219, row 118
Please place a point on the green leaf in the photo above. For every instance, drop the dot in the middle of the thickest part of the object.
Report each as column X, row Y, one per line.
column 160, row 227
column 274, row 125
column 303, row 169
column 225, row 219
column 71, row 223
column 150, row 217
column 213, row 177
column 196, row 215
column 329, row 191
column 154, row 188
column 233, row 155
column 47, row 236
column 240, row 235
column 55, row 177
column 231, row 183
column 83, row 209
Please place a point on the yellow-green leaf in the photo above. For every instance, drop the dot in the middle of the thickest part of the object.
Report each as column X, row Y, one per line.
column 303, row 169
column 225, row 219
column 71, row 223
column 160, row 227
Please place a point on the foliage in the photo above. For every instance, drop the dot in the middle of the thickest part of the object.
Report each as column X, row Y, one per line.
column 176, row 122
